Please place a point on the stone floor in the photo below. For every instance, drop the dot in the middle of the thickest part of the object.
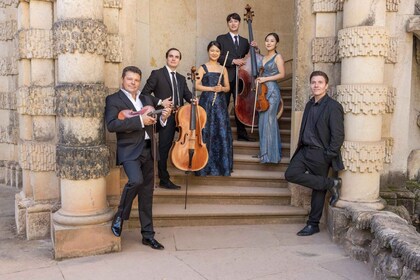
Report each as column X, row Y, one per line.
column 221, row 252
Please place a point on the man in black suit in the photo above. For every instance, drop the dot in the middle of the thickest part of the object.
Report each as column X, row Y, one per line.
column 134, row 142
column 170, row 87
column 238, row 47
column 320, row 139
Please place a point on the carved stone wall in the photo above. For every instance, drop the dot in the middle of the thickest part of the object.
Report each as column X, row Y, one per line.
column 35, row 43
column 36, row 101
column 363, row 157
column 325, row 50
column 326, row 6
column 363, row 99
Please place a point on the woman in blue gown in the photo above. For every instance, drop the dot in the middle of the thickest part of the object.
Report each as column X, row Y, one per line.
column 273, row 64
column 217, row 133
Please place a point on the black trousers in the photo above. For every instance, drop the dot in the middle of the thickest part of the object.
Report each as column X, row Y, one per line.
column 309, row 167
column 140, row 183
column 240, row 126
column 166, row 137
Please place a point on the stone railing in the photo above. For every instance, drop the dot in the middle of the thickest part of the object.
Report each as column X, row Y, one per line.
column 389, row 243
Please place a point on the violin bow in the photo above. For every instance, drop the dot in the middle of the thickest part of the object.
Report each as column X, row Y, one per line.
column 220, row 78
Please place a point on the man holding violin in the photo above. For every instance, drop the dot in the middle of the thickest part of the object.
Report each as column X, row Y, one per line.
column 134, row 141
column 170, row 87
column 238, row 47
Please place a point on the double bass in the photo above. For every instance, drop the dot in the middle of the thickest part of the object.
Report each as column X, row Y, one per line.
column 189, row 152
column 250, row 97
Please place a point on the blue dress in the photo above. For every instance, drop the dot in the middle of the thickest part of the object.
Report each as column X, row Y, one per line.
column 217, row 133
column 270, row 142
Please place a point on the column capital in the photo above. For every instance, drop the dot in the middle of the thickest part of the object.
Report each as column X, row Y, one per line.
column 363, row 157
column 114, row 48
column 363, row 41
column 80, row 35
column 363, row 99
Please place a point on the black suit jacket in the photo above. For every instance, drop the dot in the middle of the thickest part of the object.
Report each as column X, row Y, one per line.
column 227, row 44
column 130, row 133
column 329, row 128
column 160, row 84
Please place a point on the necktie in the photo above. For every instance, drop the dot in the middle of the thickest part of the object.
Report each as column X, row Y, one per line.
column 175, row 97
column 236, row 42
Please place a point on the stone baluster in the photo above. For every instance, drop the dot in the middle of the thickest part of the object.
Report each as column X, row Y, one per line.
column 82, row 225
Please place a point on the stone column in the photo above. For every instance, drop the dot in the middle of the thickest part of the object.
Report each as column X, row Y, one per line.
column 82, row 225
column 363, row 46
column 8, row 86
column 36, row 108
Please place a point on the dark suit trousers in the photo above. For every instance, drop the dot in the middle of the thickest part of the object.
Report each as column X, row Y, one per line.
column 309, row 168
column 166, row 137
column 140, row 183
column 240, row 126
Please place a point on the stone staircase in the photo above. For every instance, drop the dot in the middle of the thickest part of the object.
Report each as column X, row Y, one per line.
column 254, row 194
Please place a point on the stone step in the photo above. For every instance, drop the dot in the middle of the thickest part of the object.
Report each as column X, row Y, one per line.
column 249, row 161
column 206, row 194
column 284, row 134
column 253, row 148
column 239, row 177
column 165, row 215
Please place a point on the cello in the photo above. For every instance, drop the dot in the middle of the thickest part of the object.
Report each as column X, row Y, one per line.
column 189, row 152
column 250, row 98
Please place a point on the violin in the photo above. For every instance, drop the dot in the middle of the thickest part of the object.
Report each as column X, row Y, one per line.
column 189, row 152
column 245, row 80
column 261, row 103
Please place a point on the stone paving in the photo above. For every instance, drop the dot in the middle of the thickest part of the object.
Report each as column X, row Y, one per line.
column 262, row 252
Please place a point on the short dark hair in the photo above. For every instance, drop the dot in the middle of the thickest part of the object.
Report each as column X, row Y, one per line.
column 319, row 73
column 275, row 35
column 233, row 16
column 173, row 49
column 133, row 69
column 214, row 43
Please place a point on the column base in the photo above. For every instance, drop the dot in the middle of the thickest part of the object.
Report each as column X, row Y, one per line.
column 32, row 219
column 378, row 204
column 83, row 240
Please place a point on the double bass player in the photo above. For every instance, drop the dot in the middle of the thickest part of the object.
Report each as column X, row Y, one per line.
column 238, row 47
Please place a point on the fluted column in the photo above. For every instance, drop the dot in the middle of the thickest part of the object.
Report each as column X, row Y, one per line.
column 82, row 225
column 363, row 47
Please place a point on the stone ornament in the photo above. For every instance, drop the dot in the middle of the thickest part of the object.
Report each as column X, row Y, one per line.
column 326, row 6
column 116, row 4
column 36, row 101
column 392, row 5
column 37, row 156
column 392, row 55
column 80, row 35
column 390, row 100
column 325, row 50
column 363, row 99
column 6, row 3
column 82, row 163
column 363, row 157
column 389, row 144
column 363, row 41
column 8, row 66
column 8, row 30
column 114, row 48
column 7, row 101
column 9, row 132
column 35, row 43
column 81, row 100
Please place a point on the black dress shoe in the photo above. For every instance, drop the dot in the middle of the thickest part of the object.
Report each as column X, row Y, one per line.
column 245, row 138
column 335, row 191
column 169, row 185
column 152, row 243
column 308, row 230
column 117, row 224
